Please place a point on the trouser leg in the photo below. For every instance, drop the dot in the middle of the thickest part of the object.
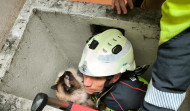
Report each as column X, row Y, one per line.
column 170, row 75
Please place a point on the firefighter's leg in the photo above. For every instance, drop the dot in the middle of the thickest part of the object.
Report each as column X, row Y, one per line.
column 170, row 75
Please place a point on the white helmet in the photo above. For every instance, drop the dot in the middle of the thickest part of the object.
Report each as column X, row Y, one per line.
column 106, row 54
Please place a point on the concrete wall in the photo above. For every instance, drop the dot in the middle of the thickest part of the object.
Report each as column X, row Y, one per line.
column 49, row 35
column 9, row 10
column 53, row 40
column 10, row 102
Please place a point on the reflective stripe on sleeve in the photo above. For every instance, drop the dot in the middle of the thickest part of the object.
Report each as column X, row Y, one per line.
column 164, row 99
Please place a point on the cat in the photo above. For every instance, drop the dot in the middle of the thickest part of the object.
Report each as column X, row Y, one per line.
column 69, row 87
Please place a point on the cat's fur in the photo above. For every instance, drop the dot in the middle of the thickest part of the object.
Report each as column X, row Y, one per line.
column 69, row 87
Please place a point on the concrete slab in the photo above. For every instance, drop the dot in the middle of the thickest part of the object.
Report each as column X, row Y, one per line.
column 106, row 2
column 9, row 102
column 9, row 10
column 52, row 42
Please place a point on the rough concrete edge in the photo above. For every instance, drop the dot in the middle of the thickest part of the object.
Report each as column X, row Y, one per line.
column 65, row 7
column 19, row 103
column 14, row 37
column 99, row 11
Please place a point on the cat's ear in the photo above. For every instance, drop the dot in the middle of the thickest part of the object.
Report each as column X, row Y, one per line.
column 54, row 87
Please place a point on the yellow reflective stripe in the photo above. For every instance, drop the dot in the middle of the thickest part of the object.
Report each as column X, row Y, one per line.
column 142, row 80
column 175, row 14
column 108, row 109
column 97, row 103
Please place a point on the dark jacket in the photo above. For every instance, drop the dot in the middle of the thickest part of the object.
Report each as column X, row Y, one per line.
column 126, row 94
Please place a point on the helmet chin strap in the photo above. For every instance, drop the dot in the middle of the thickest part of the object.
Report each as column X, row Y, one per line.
column 106, row 86
column 108, row 79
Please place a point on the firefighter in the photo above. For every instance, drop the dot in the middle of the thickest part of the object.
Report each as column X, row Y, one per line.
column 171, row 71
column 110, row 74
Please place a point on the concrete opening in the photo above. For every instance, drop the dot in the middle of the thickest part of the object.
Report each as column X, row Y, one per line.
column 53, row 42
column 96, row 29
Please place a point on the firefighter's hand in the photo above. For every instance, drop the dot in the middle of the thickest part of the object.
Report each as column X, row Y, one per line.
column 121, row 5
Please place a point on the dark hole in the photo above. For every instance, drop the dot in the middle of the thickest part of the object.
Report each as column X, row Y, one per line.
column 96, row 29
